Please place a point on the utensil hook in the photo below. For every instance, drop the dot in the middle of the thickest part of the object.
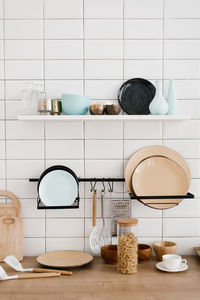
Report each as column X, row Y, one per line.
column 92, row 186
column 111, row 184
column 103, row 190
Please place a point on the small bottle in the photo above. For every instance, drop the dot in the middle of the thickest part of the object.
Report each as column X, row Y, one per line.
column 127, row 245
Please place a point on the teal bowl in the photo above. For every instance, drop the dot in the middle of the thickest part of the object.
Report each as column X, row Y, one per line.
column 75, row 104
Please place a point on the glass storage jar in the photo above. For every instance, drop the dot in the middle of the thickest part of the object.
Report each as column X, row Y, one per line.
column 127, row 245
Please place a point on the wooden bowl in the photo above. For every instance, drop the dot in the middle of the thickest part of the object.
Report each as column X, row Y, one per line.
column 109, row 254
column 144, row 252
column 113, row 109
column 164, row 247
column 97, row 109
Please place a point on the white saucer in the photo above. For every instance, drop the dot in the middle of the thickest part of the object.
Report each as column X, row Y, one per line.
column 160, row 266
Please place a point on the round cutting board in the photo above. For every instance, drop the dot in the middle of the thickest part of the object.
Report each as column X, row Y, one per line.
column 64, row 259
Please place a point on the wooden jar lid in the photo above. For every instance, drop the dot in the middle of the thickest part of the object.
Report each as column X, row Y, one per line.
column 127, row 222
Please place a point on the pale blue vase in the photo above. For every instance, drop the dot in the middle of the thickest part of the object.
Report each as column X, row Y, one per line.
column 158, row 105
column 172, row 99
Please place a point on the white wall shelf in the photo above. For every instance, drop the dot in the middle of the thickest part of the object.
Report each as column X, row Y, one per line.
column 103, row 118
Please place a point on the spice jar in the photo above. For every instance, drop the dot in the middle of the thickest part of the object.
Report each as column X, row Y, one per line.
column 127, row 246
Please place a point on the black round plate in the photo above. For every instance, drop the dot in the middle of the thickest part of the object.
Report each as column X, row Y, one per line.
column 135, row 95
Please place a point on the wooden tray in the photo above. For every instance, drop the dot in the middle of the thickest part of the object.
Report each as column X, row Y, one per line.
column 64, row 259
column 197, row 249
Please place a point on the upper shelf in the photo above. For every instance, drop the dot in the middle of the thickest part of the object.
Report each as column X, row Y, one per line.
column 103, row 117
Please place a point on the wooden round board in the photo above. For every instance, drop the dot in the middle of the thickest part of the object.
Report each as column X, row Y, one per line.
column 64, row 259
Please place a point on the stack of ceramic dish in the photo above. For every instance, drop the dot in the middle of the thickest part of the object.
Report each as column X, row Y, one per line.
column 157, row 171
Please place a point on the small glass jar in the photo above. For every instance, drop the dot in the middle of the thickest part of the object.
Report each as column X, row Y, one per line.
column 127, row 245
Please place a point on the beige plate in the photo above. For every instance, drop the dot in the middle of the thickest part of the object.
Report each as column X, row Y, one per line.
column 162, row 176
column 149, row 151
column 64, row 259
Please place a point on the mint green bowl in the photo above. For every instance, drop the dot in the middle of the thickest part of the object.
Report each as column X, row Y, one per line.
column 75, row 104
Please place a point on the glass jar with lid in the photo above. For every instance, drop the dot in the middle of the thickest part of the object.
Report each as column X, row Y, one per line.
column 127, row 245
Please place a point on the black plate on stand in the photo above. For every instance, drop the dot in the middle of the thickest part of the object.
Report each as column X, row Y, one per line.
column 135, row 95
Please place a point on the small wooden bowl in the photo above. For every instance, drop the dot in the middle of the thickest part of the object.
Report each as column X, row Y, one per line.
column 164, row 247
column 113, row 109
column 109, row 254
column 144, row 252
column 97, row 109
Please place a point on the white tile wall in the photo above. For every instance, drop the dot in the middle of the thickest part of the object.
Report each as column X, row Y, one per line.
column 91, row 47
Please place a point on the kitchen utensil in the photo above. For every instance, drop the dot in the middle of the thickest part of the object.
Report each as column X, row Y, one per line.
column 159, row 175
column 144, row 252
column 44, row 106
column 58, row 186
column 160, row 266
column 109, row 254
column 164, row 247
column 64, row 259
column 119, row 209
column 56, row 107
column 113, row 109
column 97, row 109
column 94, row 235
column 135, row 95
column 173, row 262
column 13, row 262
column 149, row 151
column 103, row 236
column 75, row 104
column 4, row 276
column 11, row 227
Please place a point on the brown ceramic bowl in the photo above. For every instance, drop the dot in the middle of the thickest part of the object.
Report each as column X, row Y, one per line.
column 113, row 109
column 109, row 254
column 164, row 247
column 144, row 252
column 97, row 109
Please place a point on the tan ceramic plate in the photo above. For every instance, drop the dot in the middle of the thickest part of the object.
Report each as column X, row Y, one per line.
column 162, row 176
column 149, row 151
column 64, row 259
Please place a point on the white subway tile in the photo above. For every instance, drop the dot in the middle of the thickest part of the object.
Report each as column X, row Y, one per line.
column 103, row 9
column 24, row 69
column 189, row 107
column 63, row 9
column 194, row 165
column 149, row 227
column 182, row 28
column 143, row 49
column 187, row 148
column 64, row 149
column 2, row 169
column 142, row 130
column 27, row 149
column 54, row 88
column 23, row 49
column 76, row 165
column 2, row 54
column 34, row 246
column 1, row 69
column 24, row 169
column 104, row 130
column 2, row 110
column 3, row 184
column 103, row 69
column 140, row 210
column 63, row 29
column 188, row 208
column 29, row 209
column 174, row 227
column 143, row 9
column 63, row 49
column 73, row 228
column 23, row 188
column 2, row 130
column 67, row 213
column 103, row 49
column 118, row 187
column 182, row 69
column 102, row 89
column 1, row 9
column 89, row 207
column 64, row 69
column 23, row 9
column 182, row 9
column 185, row 245
column 23, row 29
column 1, row 29
column 55, row 244
column 2, row 149
column 23, row 131
column 186, row 89
column 103, row 29
column 34, row 227
column 104, row 149
column 143, row 29
column 13, row 109
column 104, row 168
column 182, row 49
column 64, row 130
column 2, row 90
column 88, row 225
column 131, row 146
column 195, row 187
column 181, row 130
column 13, row 88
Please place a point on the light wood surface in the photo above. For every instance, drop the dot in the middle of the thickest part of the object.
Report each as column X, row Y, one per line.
column 62, row 272
column 38, row 275
column 100, row 281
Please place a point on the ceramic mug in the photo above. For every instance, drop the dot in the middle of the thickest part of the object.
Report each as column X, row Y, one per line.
column 172, row 261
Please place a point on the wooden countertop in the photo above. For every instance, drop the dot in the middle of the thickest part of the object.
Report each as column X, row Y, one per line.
column 100, row 281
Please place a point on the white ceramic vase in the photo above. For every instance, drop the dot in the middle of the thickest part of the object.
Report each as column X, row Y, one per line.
column 158, row 105
column 172, row 99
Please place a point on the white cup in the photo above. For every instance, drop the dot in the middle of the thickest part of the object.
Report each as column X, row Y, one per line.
column 173, row 261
